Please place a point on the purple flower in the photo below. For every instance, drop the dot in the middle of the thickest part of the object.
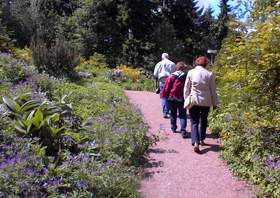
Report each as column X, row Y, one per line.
column 92, row 144
column 67, row 140
column 82, row 184
column 272, row 164
column 109, row 162
column 35, row 187
column 54, row 182
column 29, row 172
column 11, row 161
column 24, row 193
column 44, row 170
column 45, row 185
column 5, row 147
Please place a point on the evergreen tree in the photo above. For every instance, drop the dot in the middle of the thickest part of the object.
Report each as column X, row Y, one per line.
column 183, row 15
column 4, row 38
column 221, row 28
column 139, row 19
column 165, row 40
column 207, row 32
column 99, row 29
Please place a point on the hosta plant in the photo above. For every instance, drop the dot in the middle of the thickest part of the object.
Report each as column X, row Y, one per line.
column 49, row 121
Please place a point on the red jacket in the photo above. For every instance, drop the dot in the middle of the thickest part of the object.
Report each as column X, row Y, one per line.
column 174, row 86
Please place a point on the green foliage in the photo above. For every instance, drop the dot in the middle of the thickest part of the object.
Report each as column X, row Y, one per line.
column 13, row 70
column 24, row 54
column 4, row 38
column 59, row 59
column 96, row 65
column 248, row 120
column 42, row 119
column 116, row 126
column 56, row 153
column 130, row 78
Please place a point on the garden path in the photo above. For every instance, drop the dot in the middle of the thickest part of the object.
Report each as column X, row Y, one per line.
column 173, row 170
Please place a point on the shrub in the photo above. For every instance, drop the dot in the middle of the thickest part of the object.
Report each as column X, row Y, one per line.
column 132, row 74
column 249, row 121
column 58, row 60
column 24, row 54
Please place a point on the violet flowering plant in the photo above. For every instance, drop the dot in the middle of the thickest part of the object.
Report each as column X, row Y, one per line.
column 12, row 69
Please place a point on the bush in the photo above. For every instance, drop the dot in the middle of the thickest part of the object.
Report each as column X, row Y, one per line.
column 58, row 60
column 130, row 79
column 249, row 120
column 24, row 54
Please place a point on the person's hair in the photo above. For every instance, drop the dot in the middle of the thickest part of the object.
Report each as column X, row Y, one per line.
column 181, row 66
column 202, row 61
column 164, row 56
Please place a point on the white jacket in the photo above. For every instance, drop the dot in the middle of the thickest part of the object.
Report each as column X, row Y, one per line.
column 201, row 85
column 163, row 69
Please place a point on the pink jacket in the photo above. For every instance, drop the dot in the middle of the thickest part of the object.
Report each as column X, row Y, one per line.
column 174, row 86
column 201, row 85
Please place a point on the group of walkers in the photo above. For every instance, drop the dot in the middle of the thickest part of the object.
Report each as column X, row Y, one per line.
column 182, row 89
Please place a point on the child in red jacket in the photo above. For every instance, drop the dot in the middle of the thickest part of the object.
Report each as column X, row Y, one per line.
column 173, row 89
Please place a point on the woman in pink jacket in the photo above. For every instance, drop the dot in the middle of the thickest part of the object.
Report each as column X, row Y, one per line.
column 173, row 90
column 201, row 86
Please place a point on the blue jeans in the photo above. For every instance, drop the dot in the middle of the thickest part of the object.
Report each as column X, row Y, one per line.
column 174, row 107
column 199, row 114
column 164, row 102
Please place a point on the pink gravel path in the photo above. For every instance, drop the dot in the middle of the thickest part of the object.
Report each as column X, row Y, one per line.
column 173, row 170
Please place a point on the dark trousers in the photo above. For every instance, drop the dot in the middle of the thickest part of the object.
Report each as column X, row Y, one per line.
column 199, row 122
column 176, row 106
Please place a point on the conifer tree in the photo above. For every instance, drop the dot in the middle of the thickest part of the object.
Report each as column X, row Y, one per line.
column 222, row 29
column 207, row 32
column 183, row 15
column 139, row 19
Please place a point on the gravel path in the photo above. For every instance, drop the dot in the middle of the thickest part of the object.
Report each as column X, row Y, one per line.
column 173, row 170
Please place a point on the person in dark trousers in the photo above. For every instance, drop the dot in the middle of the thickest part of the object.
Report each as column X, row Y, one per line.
column 200, row 85
column 173, row 91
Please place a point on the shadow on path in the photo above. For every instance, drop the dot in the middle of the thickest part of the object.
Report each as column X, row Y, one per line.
column 211, row 147
column 158, row 150
column 149, row 164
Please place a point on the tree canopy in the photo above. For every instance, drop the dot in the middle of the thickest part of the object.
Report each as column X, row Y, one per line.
column 130, row 32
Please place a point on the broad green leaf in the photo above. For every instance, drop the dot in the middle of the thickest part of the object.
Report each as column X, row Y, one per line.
column 56, row 131
column 54, row 117
column 30, row 105
column 30, row 116
column 25, row 97
column 19, row 129
column 38, row 118
column 62, row 99
column 11, row 104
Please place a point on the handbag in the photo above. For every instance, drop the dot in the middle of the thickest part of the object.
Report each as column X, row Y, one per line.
column 189, row 102
column 157, row 91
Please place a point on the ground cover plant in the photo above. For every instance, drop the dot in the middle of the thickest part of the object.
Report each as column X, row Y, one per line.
column 64, row 139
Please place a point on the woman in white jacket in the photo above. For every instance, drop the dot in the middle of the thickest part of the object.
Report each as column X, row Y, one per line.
column 200, row 85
